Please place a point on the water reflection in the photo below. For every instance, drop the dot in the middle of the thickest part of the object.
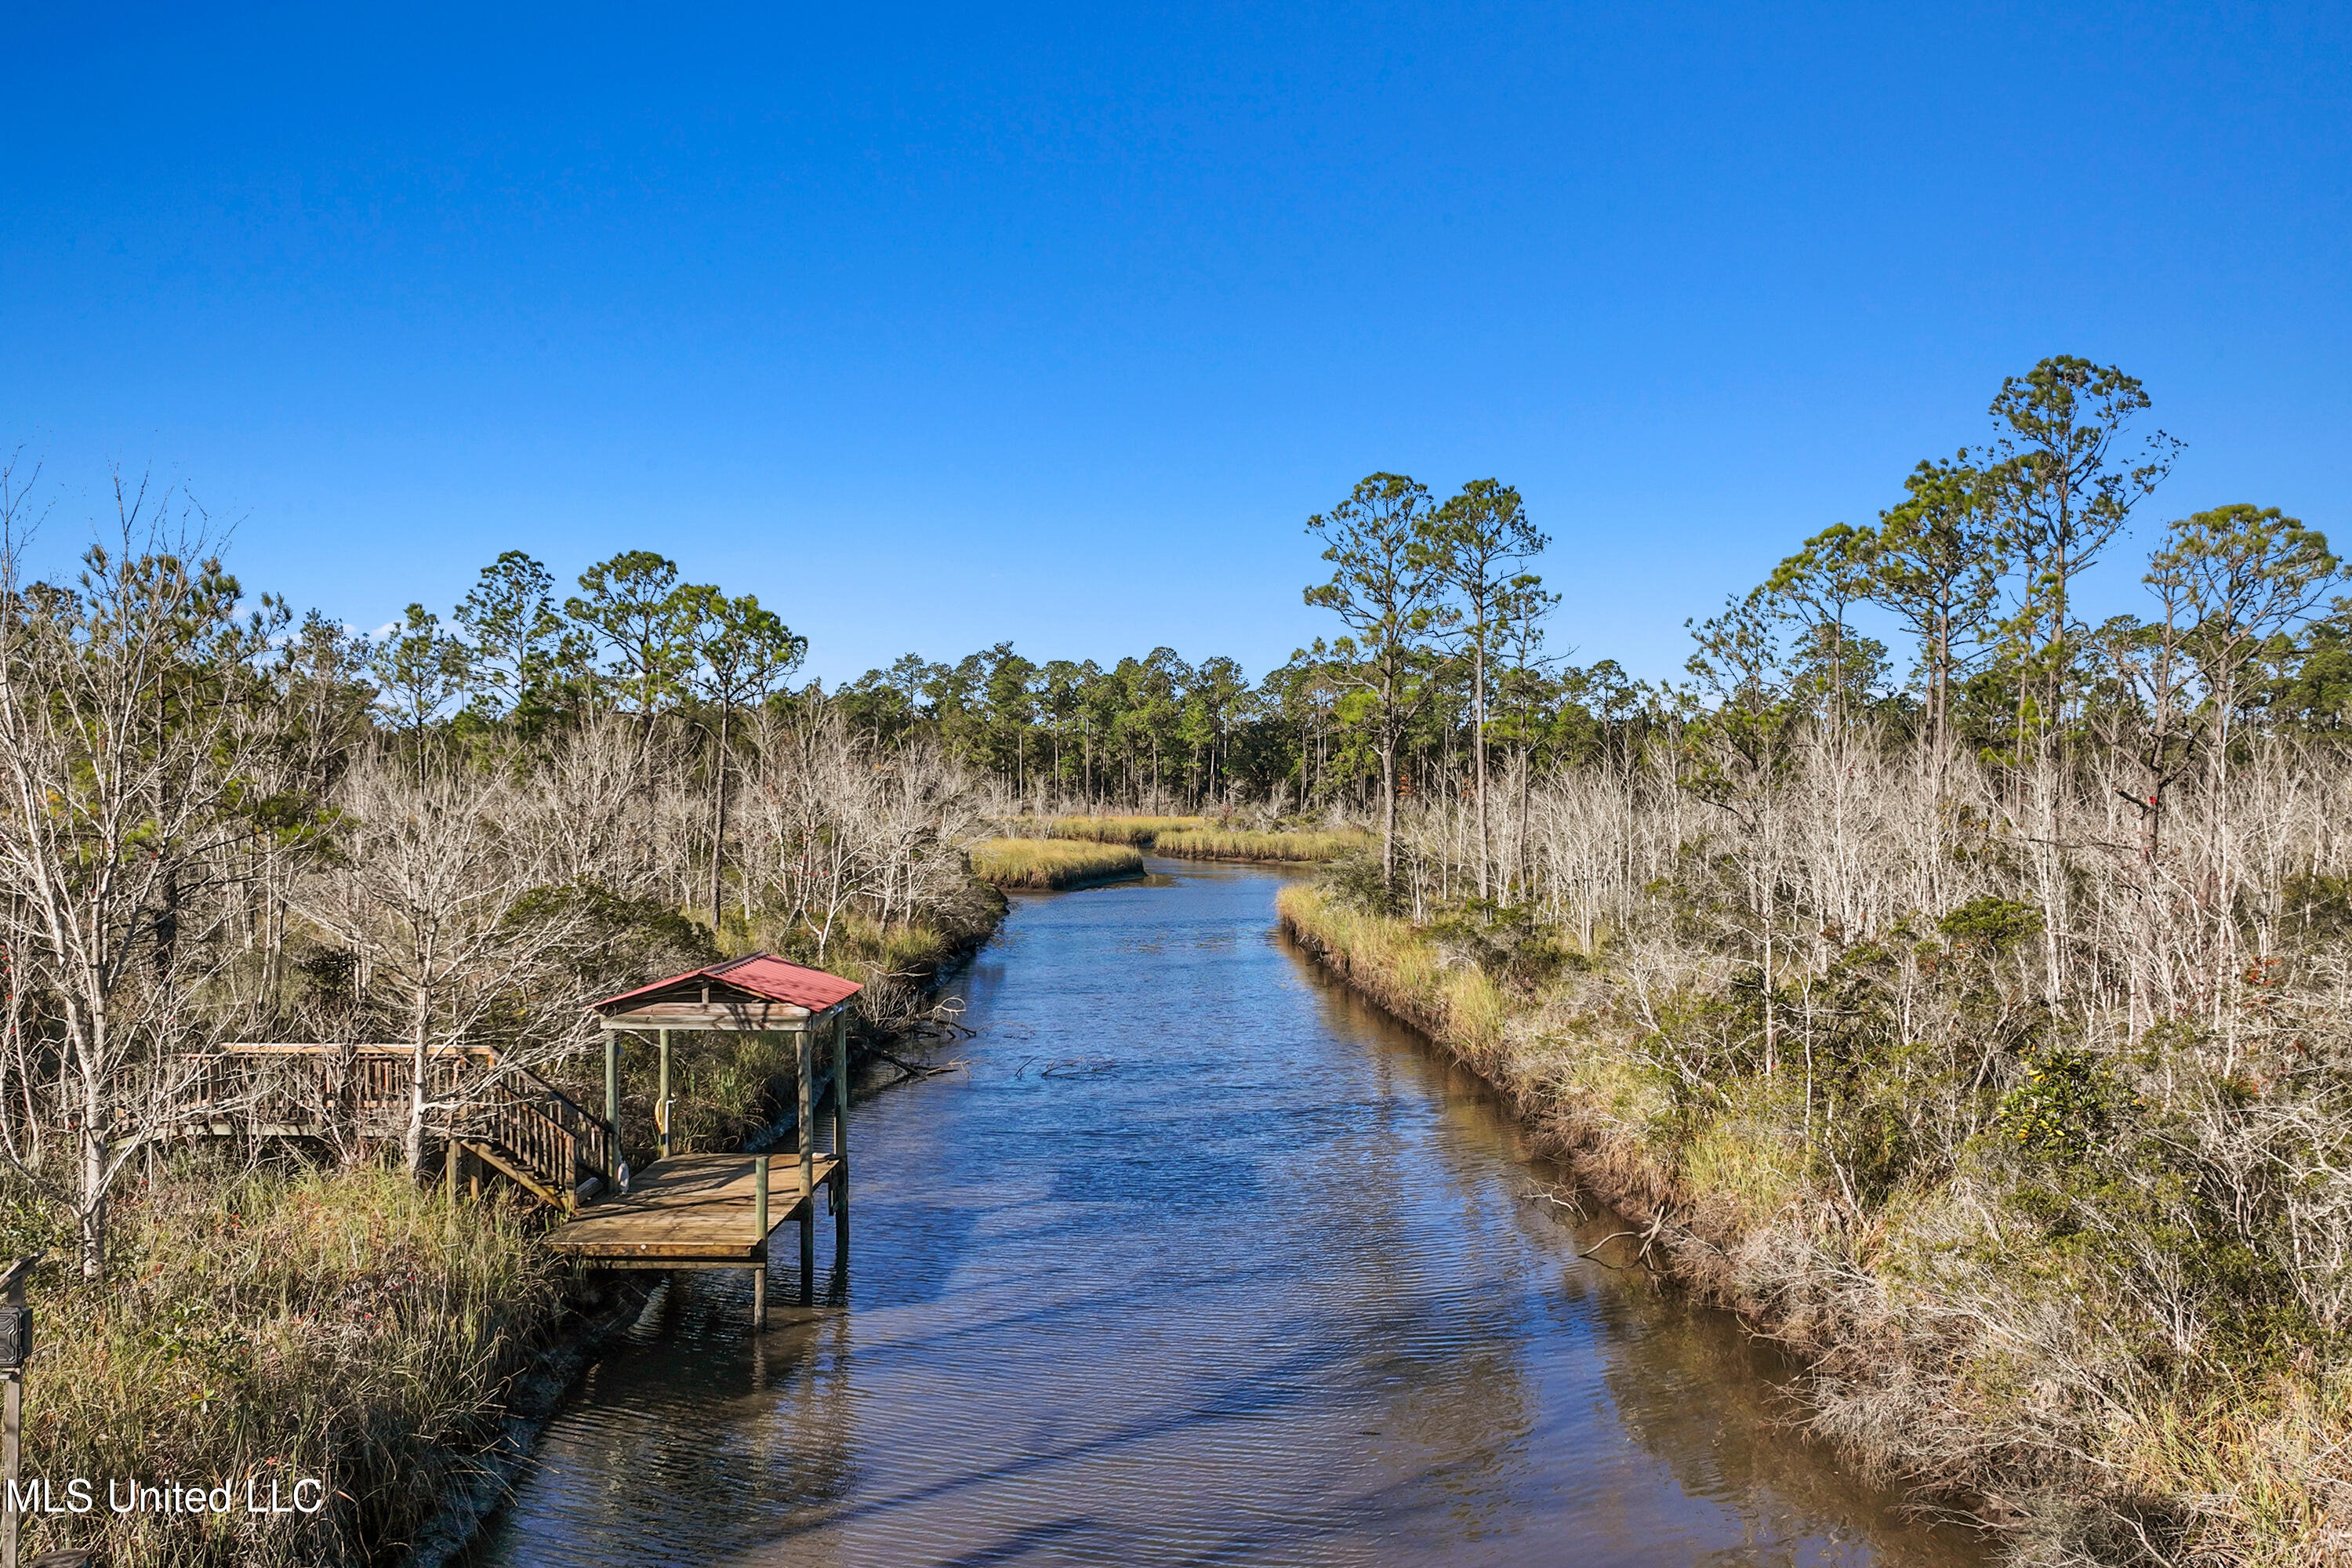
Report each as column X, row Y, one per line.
column 1203, row 1261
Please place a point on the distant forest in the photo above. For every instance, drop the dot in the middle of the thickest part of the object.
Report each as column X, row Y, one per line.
column 1441, row 639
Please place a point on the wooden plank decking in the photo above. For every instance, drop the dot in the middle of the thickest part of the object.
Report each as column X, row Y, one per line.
column 690, row 1211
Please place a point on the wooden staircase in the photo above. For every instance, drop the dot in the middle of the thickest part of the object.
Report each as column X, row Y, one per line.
column 538, row 1137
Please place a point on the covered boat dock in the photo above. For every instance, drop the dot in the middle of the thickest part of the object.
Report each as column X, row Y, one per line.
column 721, row 1211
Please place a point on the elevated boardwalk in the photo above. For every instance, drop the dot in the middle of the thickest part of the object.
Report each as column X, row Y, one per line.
column 696, row 1211
column 510, row 1118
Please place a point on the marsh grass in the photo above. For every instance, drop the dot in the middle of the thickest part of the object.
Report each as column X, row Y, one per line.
column 1052, row 863
column 1909, row 1309
column 1122, row 829
column 1303, row 848
column 345, row 1325
column 1392, row 964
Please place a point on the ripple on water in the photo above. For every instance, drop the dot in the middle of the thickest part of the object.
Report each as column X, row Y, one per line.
column 1247, row 1284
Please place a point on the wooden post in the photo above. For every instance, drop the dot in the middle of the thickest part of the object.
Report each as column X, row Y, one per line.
column 12, row 1413
column 841, row 1141
column 455, row 1158
column 613, row 1108
column 807, row 1130
column 662, row 1106
column 760, row 1226
column 12, row 1456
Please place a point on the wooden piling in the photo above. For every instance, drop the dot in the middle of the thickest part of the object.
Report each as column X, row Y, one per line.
column 760, row 1228
column 806, row 1055
column 612, row 1106
column 661, row 1106
column 841, row 1141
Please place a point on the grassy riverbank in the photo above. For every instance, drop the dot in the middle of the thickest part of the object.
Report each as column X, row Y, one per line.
column 1196, row 839
column 1989, row 1336
column 1122, row 829
column 344, row 1325
column 1039, row 863
column 1300, row 848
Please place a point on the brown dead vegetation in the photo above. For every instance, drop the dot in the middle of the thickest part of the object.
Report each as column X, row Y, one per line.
column 2035, row 1146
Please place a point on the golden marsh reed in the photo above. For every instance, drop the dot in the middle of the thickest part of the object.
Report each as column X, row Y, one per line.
column 1122, row 829
column 1304, row 848
column 347, row 1326
column 1052, row 863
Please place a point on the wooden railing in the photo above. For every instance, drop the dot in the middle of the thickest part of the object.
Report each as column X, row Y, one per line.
column 521, row 1113
column 363, row 1093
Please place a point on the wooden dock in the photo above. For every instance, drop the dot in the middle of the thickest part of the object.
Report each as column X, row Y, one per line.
column 695, row 1211
column 682, row 1211
column 718, row 1211
column 505, row 1117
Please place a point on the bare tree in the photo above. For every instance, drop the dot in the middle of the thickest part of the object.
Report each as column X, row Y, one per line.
column 448, row 874
column 832, row 825
column 126, row 747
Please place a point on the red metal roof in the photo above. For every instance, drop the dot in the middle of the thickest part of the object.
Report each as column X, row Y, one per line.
column 762, row 974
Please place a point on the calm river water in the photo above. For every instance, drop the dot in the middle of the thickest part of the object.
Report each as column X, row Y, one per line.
column 1200, row 1261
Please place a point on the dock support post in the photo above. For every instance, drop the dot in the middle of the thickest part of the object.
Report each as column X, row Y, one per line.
column 612, row 1106
column 760, row 1223
column 841, row 1141
column 806, row 1056
column 662, row 1105
column 455, row 1158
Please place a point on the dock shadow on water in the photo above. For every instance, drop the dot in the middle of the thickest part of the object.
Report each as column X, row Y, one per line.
column 1203, row 1261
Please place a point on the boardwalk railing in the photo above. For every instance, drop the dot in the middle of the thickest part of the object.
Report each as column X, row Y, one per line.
column 506, row 1114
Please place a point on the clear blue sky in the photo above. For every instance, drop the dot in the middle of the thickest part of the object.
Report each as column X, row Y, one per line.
column 938, row 327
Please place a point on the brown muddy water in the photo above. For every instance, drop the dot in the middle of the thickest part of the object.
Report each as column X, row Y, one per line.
column 1202, row 1260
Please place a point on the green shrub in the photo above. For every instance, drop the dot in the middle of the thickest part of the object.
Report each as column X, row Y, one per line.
column 2064, row 1107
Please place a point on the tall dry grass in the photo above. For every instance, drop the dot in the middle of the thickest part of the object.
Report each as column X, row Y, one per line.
column 1051, row 863
column 1396, row 966
column 347, row 1326
column 1122, row 829
column 1301, row 848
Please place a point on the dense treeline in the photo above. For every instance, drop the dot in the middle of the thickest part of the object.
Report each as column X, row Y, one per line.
column 1154, row 732
column 1976, row 1019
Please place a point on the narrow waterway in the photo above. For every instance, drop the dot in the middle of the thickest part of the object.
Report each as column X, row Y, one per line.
column 1199, row 1260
